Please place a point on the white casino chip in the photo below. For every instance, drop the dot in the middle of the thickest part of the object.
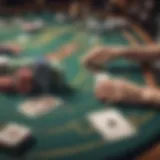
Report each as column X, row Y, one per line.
column 60, row 17
column 4, row 60
column 93, row 24
column 38, row 23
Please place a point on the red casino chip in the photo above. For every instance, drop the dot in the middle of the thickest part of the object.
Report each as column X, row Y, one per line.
column 24, row 80
column 6, row 83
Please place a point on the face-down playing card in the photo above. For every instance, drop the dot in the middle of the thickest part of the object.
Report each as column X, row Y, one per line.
column 14, row 134
column 39, row 106
column 111, row 125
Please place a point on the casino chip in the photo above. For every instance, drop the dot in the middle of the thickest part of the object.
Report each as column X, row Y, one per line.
column 93, row 25
column 4, row 60
column 60, row 17
column 115, row 23
column 32, row 26
column 23, row 76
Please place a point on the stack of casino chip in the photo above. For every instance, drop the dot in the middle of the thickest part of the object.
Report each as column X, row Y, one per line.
column 34, row 73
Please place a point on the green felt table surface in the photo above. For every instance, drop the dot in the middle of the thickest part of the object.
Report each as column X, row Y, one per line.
column 66, row 133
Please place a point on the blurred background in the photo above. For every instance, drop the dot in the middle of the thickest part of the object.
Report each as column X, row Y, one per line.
column 144, row 12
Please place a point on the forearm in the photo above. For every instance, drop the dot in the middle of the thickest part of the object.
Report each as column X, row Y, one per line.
column 147, row 53
column 120, row 90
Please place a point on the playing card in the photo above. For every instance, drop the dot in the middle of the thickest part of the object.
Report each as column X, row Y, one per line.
column 39, row 106
column 14, row 134
column 111, row 125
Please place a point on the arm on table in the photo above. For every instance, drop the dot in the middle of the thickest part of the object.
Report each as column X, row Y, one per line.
column 98, row 56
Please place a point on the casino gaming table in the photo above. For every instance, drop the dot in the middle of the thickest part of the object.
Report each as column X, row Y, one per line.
column 65, row 133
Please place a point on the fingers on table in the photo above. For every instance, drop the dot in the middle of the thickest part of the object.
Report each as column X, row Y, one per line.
column 120, row 90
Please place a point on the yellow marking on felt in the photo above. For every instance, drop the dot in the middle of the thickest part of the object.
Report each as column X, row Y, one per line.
column 87, row 87
column 80, row 130
column 63, row 53
column 78, row 78
column 72, row 126
column 82, row 74
column 37, row 39
column 66, row 151
column 60, row 53
column 148, row 75
column 33, row 41
column 89, row 47
column 141, row 119
column 143, row 34
column 51, row 35
column 130, row 38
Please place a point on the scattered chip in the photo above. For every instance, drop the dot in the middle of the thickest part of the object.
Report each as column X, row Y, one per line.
column 32, row 26
column 60, row 17
column 4, row 60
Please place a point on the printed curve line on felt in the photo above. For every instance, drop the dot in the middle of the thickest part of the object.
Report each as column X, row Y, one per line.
column 133, row 42
column 88, row 86
column 82, row 41
column 50, row 36
column 40, row 39
column 68, row 151
column 60, row 52
column 139, row 120
column 77, row 127
column 34, row 39
column 79, row 78
column 46, row 34
column 85, row 79
column 81, row 127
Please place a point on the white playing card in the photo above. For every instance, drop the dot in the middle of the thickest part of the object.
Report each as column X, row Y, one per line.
column 13, row 134
column 111, row 124
column 39, row 106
